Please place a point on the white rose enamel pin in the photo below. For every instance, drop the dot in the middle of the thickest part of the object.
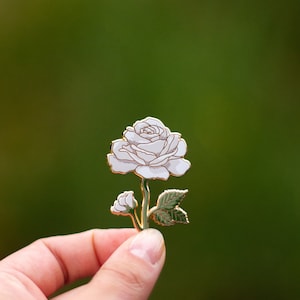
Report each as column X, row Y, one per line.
column 151, row 151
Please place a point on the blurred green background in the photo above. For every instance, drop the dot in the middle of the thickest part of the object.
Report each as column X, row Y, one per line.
column 74, row 74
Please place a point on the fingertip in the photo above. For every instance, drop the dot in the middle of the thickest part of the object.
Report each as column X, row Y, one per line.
column 113, row 239
column 148, row 245
column 132, row 270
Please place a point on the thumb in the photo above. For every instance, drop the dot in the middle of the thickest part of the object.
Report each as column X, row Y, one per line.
column 132, row 270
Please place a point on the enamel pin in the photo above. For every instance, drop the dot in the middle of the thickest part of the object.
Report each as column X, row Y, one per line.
column 151, row 151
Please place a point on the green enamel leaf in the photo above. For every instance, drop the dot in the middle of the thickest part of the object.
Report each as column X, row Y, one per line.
column 178, row 215
column 170, row 217
column 162, row 217
column 169, row 199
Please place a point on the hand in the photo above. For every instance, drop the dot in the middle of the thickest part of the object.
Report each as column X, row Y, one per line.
column 124, row 265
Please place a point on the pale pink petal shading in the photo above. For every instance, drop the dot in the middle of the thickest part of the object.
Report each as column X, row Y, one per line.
column 177, row 167
column 118, row 166
column 152, row 172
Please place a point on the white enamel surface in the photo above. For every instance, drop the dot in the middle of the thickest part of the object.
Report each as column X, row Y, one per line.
column 124, row 203
column 149, row 149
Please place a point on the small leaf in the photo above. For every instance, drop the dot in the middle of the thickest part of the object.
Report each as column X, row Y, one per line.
column 169, row 199
column 161, row 217
column 178, row 215
column 170, row 217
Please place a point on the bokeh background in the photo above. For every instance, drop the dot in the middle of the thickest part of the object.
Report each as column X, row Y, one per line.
column 74, row 74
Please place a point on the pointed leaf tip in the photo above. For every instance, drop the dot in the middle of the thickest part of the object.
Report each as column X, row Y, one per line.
column 169, row 199
column 179, row 216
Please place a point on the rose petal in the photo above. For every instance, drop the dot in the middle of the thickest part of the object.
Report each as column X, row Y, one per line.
column 177, row 167
column 149, row 136
column 165, row 133
column 172, row 143
column 154, row 122
column 181, row 148
column 130, row 200
column 116, row 148
column 134, row 138
column 118, row 166
column 121, row 199
column 160, row 130
column 134, row 157
column 154, row 138
column 112, row 209
column 160, row 160
column 153, row 147
column 145, row 157
column 175, row 141
column 139, row 126
column 153, row 172
column 136, row 149
column 119, row 207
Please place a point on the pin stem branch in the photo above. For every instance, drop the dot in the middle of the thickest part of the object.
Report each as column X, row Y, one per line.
column 151, row 211
column 145, row 204
column 135, row 221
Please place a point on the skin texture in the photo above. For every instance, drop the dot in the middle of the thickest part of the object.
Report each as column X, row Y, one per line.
column 123, row 263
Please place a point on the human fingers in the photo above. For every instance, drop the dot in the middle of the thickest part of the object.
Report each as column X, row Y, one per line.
column 49, row 263
column 129, row 273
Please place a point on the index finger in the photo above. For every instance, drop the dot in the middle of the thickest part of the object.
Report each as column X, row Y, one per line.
column 52, row 262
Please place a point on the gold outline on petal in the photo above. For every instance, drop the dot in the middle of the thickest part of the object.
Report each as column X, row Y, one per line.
column 152, row 178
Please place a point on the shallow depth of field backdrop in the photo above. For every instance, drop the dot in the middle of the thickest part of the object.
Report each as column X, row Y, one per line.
column 74, row 74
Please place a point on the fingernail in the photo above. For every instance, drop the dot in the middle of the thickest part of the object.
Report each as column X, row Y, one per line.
column 148, row 245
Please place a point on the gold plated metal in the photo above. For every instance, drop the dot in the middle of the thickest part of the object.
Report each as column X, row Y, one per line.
column 151, row 151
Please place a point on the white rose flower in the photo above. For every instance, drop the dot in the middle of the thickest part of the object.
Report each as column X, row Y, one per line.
column 124, row 203
column 150, row 150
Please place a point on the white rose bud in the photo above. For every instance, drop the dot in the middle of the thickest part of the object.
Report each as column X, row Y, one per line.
column 124, row 203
